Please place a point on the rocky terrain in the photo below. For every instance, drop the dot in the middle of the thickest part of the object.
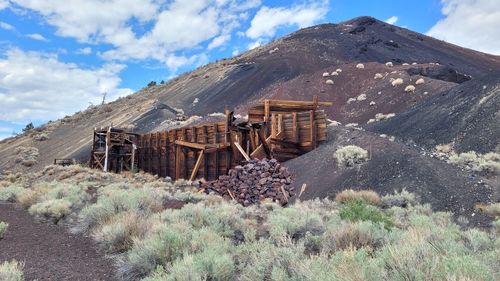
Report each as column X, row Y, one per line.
column 290, row 67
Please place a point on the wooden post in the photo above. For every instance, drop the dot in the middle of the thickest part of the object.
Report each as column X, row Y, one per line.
column 295, row 127
column 205, row 162
column 216, row 154
column 197, row 165
column 177, row 161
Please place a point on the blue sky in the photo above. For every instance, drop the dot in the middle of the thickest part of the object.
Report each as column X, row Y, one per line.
column 59, row 57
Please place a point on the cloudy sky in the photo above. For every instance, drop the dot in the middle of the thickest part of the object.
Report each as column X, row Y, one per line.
column 58, row 57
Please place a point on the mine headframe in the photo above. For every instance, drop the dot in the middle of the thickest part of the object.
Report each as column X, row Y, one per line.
column 113, row 149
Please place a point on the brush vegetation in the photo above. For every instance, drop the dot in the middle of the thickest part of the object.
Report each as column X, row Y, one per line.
column 3, row 229
column 11, row 271
column 357, row 236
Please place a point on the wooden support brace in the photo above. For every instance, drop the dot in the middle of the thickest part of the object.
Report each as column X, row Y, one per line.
column 242, row 151
column 197, row 165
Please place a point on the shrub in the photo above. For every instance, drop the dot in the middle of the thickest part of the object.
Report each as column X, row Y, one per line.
column 11, row 271
column 3, row 228
column 381, row 116
column 27, row 156
column 397, row 82
column 367, row 196
column 118, row 234
column 115, row 199
column 359, row 211
column 10, row 193
column 353, row 235
column 410, row 89
column 378, row 76
column 361, row 97
column 360, row 66
column 491, row 210
column 54, row 209
column 41, row 137
column 444, row 148
column 294, row 222
column 420, row 81
column 488, row 163
column 402, row 199
column 350, row 155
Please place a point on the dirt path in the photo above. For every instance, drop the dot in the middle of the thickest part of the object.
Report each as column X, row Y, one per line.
column 48, row 251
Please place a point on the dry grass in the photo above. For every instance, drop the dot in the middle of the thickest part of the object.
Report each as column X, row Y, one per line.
column 26, row 156
column 3, row 229
column 367, row 196
column 11, row 271
column 491, row 210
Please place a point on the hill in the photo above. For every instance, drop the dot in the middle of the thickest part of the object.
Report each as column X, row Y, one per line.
column 290, row 67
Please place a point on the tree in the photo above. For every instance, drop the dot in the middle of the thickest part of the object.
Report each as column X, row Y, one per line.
column 104, row 97
column 151, row 84
column 28, row 127
column 162, row 82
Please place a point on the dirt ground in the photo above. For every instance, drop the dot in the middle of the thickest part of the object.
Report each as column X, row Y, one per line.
column 50, row 252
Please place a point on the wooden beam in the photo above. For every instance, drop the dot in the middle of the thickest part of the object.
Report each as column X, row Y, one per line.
column 197, row 165
column 297, row 103
column 242, row 151
column 177, row 162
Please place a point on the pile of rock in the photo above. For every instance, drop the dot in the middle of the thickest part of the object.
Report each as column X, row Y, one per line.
column 254, row 182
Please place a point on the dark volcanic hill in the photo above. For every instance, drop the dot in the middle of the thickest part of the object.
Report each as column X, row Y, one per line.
column 291, row 67
column 467, row 116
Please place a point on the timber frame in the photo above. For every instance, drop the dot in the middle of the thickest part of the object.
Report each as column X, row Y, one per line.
column 280, row 129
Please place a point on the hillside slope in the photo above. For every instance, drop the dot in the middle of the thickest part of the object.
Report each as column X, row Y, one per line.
column 291, row 67
column 468, row 116
column 393, row 166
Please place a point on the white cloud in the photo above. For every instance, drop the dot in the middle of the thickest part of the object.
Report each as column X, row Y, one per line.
column 392, row 20
column 36, row 36
column 36, row 86
column 4, row 4
column 84, row 51
column 219, row 41
column 259, row 42
column 268, row 20
column 471, row 24
column 6, row 26
column 175, row 25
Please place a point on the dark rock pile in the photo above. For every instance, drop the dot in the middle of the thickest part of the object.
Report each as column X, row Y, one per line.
column 255, row 181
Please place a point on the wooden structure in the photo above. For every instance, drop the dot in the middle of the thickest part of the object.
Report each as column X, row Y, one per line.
column 275, row 128
column 64, row 162
column 113, row 150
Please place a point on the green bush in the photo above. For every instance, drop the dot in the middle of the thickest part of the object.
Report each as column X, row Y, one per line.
column 3, row 228
column 10, row 193
column 401, row 199
column 54, row 209
column 359, row 211
column 11, row 271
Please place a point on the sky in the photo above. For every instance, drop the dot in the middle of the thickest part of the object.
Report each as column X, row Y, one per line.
column 59, row 57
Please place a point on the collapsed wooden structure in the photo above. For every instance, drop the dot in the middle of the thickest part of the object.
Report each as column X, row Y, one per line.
column 278, row 129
